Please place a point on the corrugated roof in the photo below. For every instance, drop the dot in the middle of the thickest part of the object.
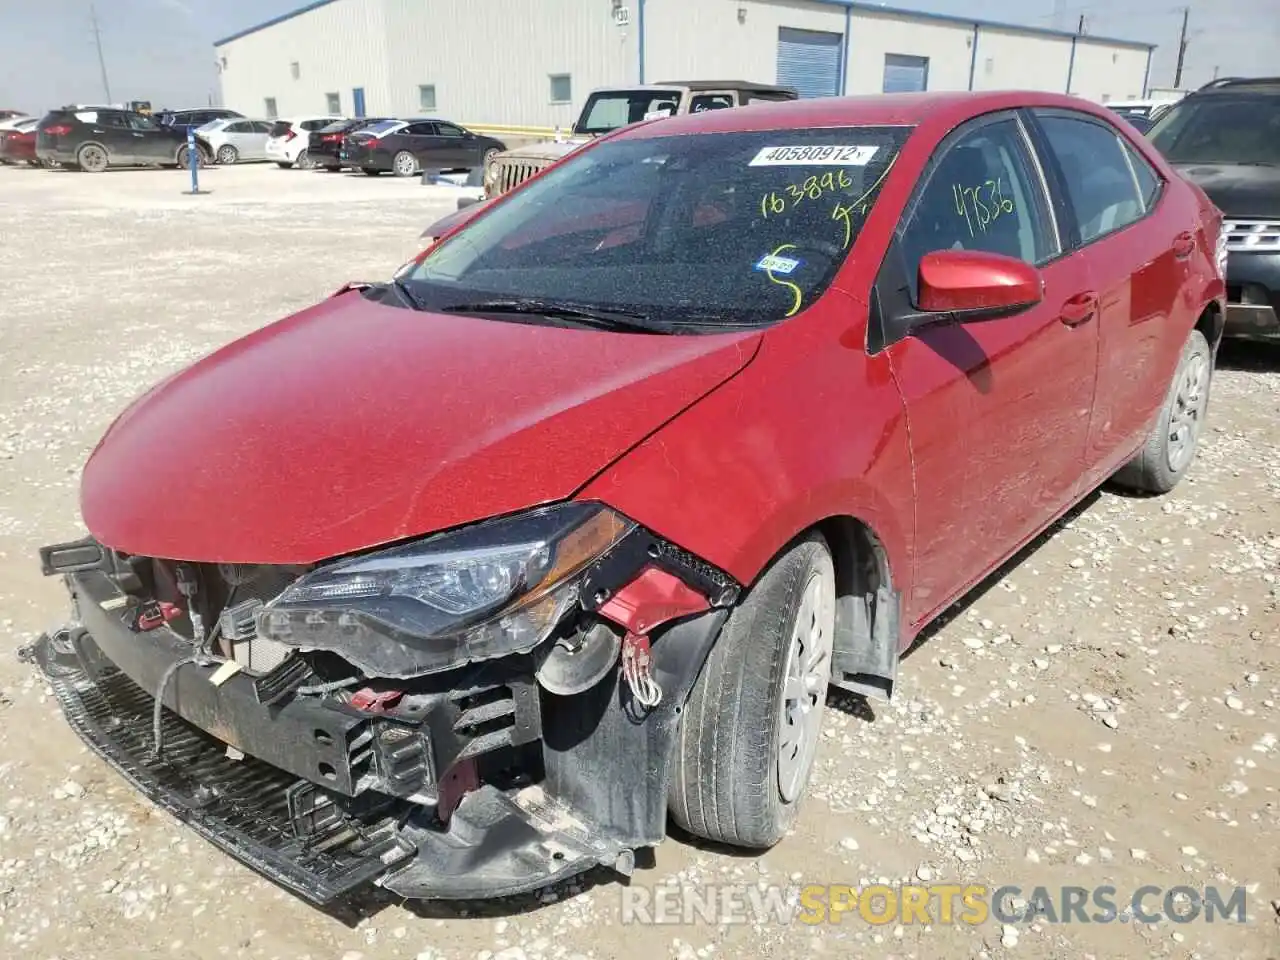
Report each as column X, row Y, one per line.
column 858, row 5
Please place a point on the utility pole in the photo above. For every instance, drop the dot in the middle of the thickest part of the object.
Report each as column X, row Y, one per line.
column 1080, row 27
column 1182, row 49
column 97, row 39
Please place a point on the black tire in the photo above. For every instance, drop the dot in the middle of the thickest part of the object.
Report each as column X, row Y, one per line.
column 1163, row 461
column 184, row 158
column 725, row 782
column 283, row 164
column 92, row 158
column 370, row 172
column 303, row 162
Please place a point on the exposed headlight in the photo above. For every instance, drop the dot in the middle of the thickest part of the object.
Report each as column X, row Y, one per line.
column 1221, row 251
column 485, row 591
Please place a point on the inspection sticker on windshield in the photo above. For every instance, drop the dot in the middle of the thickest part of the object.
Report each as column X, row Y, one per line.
column 835, row 156
column 772, row 263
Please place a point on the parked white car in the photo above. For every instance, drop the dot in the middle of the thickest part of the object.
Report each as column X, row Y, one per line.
column 288, row 139
column 234, row 140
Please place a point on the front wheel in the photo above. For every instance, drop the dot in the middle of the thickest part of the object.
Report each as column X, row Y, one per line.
column 1171, row 446
column 184, row 158
column 749, row 733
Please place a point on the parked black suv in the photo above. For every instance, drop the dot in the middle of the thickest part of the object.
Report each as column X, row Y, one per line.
column 94, row 138
column 1226, row 138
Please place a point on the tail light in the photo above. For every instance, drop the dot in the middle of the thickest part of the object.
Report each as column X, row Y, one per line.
column 290, row 135
column 331, row 138
column 58, row 130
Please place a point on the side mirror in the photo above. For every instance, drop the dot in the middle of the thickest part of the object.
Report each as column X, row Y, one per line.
column 970, row 285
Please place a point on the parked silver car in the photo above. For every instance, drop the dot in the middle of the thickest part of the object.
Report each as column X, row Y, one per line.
column 233, row 140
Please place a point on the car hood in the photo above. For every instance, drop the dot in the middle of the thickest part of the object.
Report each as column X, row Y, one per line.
column 1239, row 191
column 353, row 424
column 547, row 149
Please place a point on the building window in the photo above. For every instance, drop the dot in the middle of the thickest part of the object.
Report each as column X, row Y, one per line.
column 295, row 70
column 333, row 102
column 905, row 74
column 427, row 96
column 561, row 88
column 271, row 111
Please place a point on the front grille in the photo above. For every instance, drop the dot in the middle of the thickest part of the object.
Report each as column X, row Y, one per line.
column 512, row 173
column 241, row 806
column 1253, row 236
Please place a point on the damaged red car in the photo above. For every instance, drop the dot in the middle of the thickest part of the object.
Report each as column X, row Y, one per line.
column 468, row 581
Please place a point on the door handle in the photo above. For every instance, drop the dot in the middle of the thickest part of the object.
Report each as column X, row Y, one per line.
column 1079, row 309
column 138, row 135
column 1184, row 244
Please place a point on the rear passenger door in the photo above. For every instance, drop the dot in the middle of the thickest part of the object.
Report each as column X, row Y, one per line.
column 423, row 142
column 998, row 411
column 1139, row 265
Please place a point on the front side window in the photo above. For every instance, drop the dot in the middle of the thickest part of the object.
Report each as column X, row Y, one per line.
column 141, row 123
column 449, row 130
column 1100, row 186
column 983, row 194
column 742, row 228
column 1221, row 129
column 561, row 88
column 617, row 108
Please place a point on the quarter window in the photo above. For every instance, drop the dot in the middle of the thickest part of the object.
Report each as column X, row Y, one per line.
column 984, row 194
column 1149, row 182
column 1100, row 186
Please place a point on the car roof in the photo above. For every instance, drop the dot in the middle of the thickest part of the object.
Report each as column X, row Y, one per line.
column 696, row 85
column 889, row 109
column 304, row 117
column 1224, row 85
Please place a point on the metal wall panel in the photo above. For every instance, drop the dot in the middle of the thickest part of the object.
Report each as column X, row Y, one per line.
column 873, row 36
column 1011, row 60
column 337, row 48
column 809, row 61
column 1104, row 73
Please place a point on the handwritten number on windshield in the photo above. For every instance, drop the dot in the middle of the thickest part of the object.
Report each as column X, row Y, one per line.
column 795, row 291
column 844, row 213
column 812, row 188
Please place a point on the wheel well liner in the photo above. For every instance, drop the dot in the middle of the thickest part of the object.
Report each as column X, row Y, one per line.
column 868, row 631
column 1211, row 323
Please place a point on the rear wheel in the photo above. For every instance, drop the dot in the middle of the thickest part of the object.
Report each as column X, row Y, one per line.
column 304, row 161
column 1171, row 447
column 91, row 158
column 750, row 730
column 404, row 164
column 228, row 154
column 283, row 164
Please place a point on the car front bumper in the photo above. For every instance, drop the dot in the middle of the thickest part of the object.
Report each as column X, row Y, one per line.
column 283, row 786
column 1253, row 295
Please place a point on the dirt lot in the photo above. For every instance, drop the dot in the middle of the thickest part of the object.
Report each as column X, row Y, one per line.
column 1103, row 712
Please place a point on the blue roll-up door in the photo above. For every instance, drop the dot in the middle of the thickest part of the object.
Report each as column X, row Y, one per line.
column 809, row 60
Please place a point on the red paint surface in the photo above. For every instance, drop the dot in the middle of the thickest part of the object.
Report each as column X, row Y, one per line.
column 351, row 424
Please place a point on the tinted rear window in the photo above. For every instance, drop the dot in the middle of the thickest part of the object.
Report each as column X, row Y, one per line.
column 280, row 128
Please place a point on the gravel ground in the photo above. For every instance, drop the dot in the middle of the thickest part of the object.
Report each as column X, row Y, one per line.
column 1103, row 711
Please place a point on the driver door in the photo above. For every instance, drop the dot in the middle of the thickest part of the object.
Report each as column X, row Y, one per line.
column 998, row 411
column 151, row 143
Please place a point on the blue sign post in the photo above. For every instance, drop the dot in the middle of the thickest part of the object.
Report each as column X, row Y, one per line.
column 193, row 161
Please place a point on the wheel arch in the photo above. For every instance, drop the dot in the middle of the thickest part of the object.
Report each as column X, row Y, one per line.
column 1211, row 322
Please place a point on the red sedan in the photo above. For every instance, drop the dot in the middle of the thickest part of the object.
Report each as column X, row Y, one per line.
column 18, row 144
column 479, row 574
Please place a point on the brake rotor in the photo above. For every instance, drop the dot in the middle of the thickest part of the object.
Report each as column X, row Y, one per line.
column 575, row 664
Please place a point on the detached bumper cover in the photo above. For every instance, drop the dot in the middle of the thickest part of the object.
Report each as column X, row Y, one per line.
column 603, row 796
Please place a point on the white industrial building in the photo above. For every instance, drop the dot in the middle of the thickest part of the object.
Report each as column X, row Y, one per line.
column 532, row 62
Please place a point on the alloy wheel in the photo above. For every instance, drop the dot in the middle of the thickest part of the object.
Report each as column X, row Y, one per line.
column 805, row 687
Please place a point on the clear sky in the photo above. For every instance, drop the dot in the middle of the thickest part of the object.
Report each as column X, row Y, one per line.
column 161, row 50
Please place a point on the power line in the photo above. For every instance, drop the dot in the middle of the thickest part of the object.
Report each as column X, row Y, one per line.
column 97, row 39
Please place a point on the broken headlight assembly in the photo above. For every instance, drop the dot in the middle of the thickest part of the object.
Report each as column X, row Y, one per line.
column 496, row 588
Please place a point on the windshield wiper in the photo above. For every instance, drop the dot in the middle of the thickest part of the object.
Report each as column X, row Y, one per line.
column 582, row 314
column 407, row 295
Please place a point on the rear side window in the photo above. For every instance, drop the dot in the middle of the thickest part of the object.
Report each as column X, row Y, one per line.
column 1100, row 185
column 280, row 128
column 984, row 194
